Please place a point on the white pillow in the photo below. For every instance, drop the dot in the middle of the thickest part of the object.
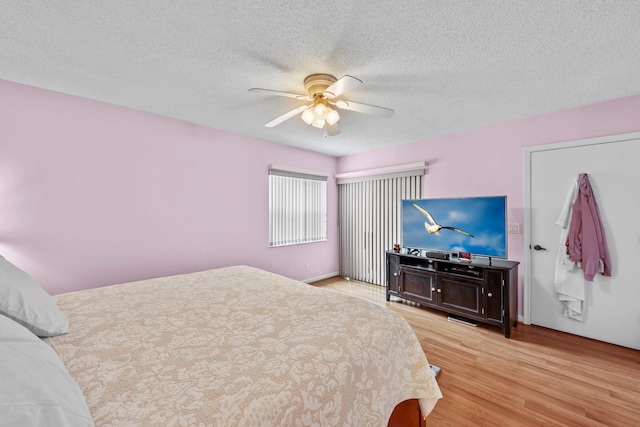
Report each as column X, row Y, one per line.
column 36, row 389
column 23, row 300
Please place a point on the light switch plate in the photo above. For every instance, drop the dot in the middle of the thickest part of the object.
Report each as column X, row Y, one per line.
column 513, row 229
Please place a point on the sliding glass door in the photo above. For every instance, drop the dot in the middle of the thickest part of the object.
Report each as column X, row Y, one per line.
column 370, row 221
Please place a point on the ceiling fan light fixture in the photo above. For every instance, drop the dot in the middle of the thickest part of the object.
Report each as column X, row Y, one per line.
column 332, row 116
column 319, row 114
column 308, row 116
column 320, row 110
column 318, row 123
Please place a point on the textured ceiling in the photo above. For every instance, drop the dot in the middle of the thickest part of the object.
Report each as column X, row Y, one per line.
column 443, row 66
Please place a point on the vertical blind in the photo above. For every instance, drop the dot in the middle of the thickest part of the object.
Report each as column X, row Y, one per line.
column 297, row 207
column 370, row 222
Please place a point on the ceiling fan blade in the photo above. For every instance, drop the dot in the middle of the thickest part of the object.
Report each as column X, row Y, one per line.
column 364, row 108
column 332, row 130
column 342, row 85
column 286, row 116
column 281, row 93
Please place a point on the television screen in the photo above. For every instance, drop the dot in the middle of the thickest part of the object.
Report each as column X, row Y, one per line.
column 476, row 225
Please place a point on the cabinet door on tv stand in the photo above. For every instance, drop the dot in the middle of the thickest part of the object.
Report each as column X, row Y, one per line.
column 460, row 295
column 393, row 275
column 495, row 295
column 418, row 285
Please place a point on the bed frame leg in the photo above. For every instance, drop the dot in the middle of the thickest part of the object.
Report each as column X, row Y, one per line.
column 407, row 414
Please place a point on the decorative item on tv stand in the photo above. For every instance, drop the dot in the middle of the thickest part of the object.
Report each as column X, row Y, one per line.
column 410, row 251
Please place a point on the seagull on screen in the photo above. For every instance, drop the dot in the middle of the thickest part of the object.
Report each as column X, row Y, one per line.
column 433, row 227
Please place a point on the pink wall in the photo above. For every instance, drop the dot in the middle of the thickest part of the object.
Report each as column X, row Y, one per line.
column 490, row 160
column 93, row 194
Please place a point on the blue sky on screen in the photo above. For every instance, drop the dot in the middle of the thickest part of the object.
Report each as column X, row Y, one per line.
column 483, row 217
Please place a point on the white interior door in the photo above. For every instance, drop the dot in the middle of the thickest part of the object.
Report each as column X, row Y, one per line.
column 612, row 308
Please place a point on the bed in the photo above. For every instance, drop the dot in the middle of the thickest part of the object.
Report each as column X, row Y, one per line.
column 238, row 346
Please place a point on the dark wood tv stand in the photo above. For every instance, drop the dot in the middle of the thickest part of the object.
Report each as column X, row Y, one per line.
column 482, row 290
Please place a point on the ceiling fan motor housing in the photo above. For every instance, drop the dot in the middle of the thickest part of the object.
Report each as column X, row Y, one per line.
column 317, row 83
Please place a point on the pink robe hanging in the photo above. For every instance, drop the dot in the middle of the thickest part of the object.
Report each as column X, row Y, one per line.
column 586, row 242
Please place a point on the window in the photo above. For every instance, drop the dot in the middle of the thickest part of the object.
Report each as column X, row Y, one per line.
column 297, row 207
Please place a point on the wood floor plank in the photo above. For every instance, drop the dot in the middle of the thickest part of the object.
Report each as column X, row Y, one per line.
column 539, row 377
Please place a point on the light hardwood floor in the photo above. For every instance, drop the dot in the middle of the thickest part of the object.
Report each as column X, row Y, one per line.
column 539, row 377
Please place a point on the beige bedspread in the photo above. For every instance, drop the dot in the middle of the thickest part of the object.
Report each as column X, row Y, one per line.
column 239, row 346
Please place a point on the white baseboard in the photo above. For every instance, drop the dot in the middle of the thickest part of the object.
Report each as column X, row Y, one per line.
column 324, row 276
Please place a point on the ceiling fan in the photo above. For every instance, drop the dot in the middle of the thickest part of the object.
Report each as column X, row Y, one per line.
column 323, row 90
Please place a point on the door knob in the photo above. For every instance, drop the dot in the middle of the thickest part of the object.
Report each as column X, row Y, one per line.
column 539, row 248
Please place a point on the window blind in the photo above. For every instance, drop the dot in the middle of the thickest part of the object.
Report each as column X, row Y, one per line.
column 297, row 207
column 371, row 220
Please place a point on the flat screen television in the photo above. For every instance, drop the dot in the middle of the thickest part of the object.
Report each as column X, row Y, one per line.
column 474, row 225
